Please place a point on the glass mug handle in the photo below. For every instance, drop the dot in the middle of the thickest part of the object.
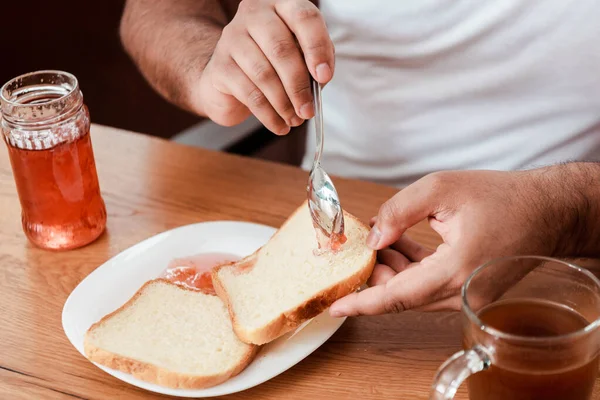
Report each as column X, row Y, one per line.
column 456, row 369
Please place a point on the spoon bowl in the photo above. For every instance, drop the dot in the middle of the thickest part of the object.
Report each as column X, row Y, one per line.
column 324, row 203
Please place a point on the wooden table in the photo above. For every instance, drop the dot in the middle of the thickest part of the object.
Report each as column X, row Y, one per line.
column 151, row 185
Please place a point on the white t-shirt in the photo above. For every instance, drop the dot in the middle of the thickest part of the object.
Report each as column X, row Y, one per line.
column 427, row 85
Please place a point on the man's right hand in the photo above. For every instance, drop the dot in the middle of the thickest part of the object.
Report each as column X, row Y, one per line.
column 480, row 215
column 261, row 65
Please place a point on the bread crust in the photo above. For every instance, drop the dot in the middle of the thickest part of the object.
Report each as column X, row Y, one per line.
column 312, row 307
column 155, row 374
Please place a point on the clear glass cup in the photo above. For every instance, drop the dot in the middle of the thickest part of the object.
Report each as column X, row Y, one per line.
column 530, row 331
column 46, row 127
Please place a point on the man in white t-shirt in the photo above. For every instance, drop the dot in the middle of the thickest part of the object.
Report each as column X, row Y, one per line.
column 414, row 86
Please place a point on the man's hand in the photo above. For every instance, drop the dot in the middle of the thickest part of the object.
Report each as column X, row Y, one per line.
column 262, row 62
column 226, row 67
column 480, row 215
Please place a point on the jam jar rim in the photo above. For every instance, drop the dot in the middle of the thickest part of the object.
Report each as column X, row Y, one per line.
column 8, row 104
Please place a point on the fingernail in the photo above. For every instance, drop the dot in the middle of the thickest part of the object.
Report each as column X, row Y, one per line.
column 296, row 121
column 307, row 111
column 323, row 72
column 284, row 131
column 374, row 238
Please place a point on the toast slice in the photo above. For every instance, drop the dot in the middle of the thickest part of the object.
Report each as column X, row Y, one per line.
column 171, row 336
column 286, row 282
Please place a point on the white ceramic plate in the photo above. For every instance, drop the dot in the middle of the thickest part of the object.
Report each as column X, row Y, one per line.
column 115, row 281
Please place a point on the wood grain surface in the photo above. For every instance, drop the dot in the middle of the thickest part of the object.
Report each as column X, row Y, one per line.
column 151, row 185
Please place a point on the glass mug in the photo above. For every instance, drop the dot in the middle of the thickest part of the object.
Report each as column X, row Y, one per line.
column 46, row 127
column 530, row 331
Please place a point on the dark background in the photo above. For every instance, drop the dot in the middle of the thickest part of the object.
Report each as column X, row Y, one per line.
column 82, row 37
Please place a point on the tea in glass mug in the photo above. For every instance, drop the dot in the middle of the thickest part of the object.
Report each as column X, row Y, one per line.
column 530, row 331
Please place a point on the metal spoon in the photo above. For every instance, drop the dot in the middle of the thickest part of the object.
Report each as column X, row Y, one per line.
column 323, row 200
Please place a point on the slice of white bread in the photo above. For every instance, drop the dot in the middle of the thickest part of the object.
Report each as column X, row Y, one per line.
column 171, row 336
column 284, row 283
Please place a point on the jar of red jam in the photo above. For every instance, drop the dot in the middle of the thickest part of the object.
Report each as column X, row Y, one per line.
column 46, row 127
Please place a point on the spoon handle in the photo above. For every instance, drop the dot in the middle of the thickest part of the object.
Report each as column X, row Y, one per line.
column 316, row 89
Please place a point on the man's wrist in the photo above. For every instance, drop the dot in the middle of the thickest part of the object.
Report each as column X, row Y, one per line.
column 568, row 196
column 173, row 58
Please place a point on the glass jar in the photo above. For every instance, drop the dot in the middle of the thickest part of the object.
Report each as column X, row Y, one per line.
column 46, row 127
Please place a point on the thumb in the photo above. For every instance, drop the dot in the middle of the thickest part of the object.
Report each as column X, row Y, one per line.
column 408, row 207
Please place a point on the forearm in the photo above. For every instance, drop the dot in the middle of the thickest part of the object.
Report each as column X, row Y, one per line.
column 571, row 192
column 172, row 41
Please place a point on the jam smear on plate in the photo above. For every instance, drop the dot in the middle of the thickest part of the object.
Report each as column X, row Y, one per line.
column 194, row 272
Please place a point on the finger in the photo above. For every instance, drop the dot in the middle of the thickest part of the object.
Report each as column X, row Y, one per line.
column 394, row 259
column 306, row 22
column 411, row 288
column 277, row 43
column 408, row 207
column 452, row 303
column 412, row 250
column 251, row 60
column 381, row 274
column 233, row 81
